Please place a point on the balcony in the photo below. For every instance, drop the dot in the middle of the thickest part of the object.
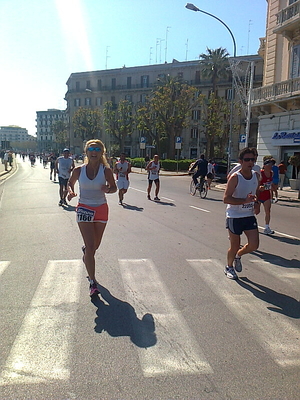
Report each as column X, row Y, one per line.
column 277, row 92
column 288, row 20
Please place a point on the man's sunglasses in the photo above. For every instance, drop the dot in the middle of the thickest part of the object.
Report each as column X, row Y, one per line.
column 249, row 159
column 94, row 148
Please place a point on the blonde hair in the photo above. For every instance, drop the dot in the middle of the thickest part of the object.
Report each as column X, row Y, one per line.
column 100, row 144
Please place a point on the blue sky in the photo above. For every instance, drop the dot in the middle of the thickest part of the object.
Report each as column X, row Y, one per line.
column 43, row 42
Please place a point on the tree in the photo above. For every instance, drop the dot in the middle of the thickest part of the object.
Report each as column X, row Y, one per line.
column 171, row 102
column 87, row 123
column 118, row 120
column 215, row 65
column 61, row 132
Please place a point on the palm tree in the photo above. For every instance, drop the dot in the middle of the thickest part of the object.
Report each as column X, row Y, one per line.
column 215, row 65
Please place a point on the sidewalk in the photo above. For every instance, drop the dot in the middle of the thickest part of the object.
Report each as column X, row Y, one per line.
column 287, row 193
column 5, row 174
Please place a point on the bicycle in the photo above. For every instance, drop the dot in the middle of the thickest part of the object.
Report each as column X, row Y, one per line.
column 202, row 188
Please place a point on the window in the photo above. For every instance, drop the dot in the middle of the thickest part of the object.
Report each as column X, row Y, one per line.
column 143, row 98
column 88, row 84
column 295, row 67
column 196, row 115
column 128, row 97
column 194, row 133
column 77, row 86
column 145, row 81
column 129, row 82
column 99, row 101
column 99, row 84
column 113, row 83
column 180, row 75
column 87, row 101
column 77, row 102
column 197, row 77
column 228, row 94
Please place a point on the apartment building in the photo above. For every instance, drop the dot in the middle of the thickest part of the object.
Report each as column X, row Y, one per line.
column 93, row 89
column 15, row 137
column 277, row 102
column 46, row 140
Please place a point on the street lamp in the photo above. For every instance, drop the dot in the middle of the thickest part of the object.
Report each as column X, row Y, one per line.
column 192, row 7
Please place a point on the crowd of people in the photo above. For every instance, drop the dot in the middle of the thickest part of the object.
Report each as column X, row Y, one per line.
column 248, row 188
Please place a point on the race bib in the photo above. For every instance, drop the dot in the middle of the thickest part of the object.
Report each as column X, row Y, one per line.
column 268, row 185
column 122, row 175
column 247, row 206
column 85, row 215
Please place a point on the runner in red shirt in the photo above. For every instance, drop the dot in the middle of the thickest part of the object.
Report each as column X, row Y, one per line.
column 265, row 193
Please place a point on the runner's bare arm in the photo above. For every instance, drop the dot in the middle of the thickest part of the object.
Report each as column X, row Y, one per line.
column 111, row 187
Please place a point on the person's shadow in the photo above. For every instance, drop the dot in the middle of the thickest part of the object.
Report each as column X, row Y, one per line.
column 280, row 303
column 118, row 318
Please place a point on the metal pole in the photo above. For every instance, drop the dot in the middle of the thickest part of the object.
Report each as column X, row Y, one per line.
column 192, row 7
column 247, row 130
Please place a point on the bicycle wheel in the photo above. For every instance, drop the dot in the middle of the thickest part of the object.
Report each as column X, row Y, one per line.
column 193, row 188
column 204, row 190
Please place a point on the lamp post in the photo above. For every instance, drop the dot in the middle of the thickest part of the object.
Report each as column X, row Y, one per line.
column 192, row 7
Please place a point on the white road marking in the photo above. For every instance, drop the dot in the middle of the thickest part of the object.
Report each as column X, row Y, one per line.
column 176, row 351
column 289, row 275
column 166, row 198
column 42, row 348
column 274, row 331
column 3, row 266
column 281, row 234
column 200, row 209
column 138, row 190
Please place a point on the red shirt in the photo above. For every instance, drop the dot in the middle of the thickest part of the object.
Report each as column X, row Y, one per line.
column 266, row 181
column 282, row 168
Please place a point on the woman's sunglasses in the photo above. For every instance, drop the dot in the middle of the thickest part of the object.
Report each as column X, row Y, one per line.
column 94, row 148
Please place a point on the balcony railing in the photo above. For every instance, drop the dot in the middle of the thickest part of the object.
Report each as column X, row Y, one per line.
column 289, row 12
column 277, row 91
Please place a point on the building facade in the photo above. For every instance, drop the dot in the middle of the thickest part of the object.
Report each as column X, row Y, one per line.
column 277, row 102
column 93, row 89
column 46, row 140
column 16, row 138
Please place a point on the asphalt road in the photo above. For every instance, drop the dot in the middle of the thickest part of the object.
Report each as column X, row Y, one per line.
column 168, row 323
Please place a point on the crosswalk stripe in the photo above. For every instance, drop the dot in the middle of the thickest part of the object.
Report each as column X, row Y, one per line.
column 3, row 266
column 291, row 275
column 273, row 331
column 41, row 350
column 176, row 350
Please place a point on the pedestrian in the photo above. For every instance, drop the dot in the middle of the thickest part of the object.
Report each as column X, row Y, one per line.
column 52, row 160
column 95, row 179
column 282, row 171
column 241, row 199
column 122, row 169
column 153, row 169
column 275, row 182
column 265, row 194
column 210, row 173
column 201, row 172
column 5, row 160
column 64, row 166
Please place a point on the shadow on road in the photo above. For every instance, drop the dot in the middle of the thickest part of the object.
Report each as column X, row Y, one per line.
column 164, row 203
column 118, row 318
column 284, row 239
column 277, row 260
column 282, row 303
column 133, row 208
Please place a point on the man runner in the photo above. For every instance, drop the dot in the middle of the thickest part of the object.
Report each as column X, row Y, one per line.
column 122, row 169
column 64, row 166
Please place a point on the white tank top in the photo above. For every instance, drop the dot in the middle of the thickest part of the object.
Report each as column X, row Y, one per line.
column 64, row 165
column 243, row 188
column 90, row 192
column 122, row 170
column 153, row 173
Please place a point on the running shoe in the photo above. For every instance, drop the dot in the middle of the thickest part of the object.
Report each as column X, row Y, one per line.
column 65, row 202
column 156, row 198
column 148, row 197
column 268, row 231
column 60, row 202
column 230, row 273
column 237, row 263
column 120, row 203
column 93, row 288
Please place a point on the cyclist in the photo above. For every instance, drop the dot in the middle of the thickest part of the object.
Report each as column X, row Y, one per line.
column 201, row 163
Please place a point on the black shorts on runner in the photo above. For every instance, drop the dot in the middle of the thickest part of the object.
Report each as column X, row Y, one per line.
column 63, row 181
column 238, row 225
column 153, row 180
